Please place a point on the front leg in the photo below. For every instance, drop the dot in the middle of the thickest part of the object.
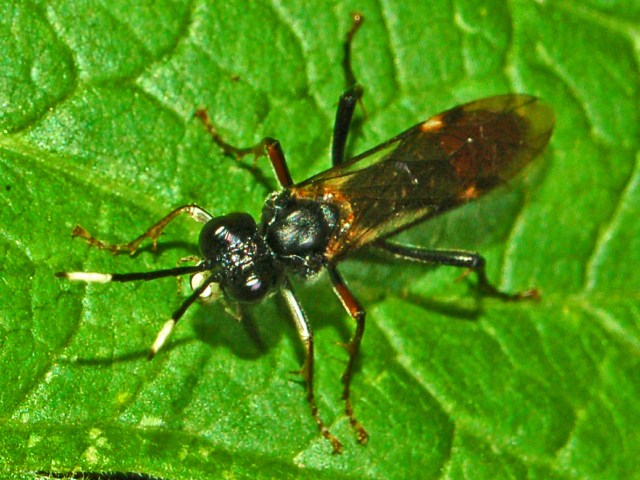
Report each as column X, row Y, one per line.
column 194, row 211
column 306, row 336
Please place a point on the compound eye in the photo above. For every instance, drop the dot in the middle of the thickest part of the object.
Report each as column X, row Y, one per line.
column 222, row 233
column 247, row 290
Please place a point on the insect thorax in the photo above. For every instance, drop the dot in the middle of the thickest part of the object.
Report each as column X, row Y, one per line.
column 298, row 231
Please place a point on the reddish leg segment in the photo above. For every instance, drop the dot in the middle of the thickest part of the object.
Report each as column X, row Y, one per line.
column 348, row 99
column 194, row 211
column 354, row 309
column 267, row 145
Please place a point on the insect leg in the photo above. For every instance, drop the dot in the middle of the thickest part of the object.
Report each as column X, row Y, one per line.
column 189, row 259
column 354, row 309
column 456, row 258
column 348, row 99
column 358, row 20
column 306, row 335
column 267, row 145
column 194, row 211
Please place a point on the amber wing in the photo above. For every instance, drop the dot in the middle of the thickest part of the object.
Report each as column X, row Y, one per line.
column 450, row 159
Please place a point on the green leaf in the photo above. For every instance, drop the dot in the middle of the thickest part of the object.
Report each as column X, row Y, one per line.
column 98, row 129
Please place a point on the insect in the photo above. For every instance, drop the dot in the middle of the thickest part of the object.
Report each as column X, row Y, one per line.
column 311, row 226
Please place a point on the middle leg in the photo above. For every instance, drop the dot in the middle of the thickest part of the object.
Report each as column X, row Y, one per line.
column 267, row 145
column 348, row 100
column 352, row 306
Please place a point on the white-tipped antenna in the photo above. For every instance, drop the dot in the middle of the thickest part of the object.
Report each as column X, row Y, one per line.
column 166, row 330
column 169, row 325
column 90, row 277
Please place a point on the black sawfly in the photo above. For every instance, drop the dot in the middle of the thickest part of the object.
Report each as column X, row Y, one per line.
column 310, row 226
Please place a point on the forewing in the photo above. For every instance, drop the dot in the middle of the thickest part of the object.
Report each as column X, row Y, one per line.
column 452, row 158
